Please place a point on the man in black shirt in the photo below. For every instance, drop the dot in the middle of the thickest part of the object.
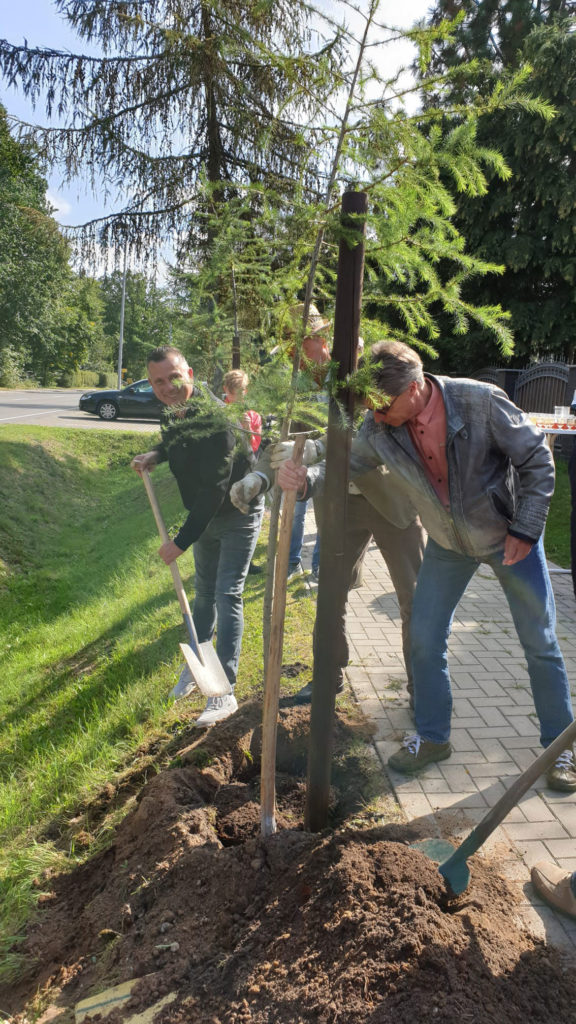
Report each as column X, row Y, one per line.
column 207, row 454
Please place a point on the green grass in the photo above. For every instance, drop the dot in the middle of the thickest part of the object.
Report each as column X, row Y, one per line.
column 557, row 535
column 89, row 629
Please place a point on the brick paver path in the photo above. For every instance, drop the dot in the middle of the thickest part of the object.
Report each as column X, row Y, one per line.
column 494, row 727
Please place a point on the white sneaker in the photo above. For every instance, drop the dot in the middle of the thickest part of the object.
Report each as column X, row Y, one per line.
column 185, row 684
column 295, row 569
column 216, row 709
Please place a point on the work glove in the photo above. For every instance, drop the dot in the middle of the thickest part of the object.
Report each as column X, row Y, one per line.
column 146, row 461
column 282, row 451
column 244, row 491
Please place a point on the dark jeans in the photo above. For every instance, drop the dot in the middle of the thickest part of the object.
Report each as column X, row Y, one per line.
column 402, row 550
column 222, row 555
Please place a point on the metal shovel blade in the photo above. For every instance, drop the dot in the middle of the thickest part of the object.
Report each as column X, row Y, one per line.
column 451, row 862
column 456, row 872
column 208, row 674
column 455, row 869
column 436, row 849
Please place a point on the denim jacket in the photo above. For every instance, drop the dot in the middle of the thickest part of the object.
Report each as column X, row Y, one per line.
column 500, row 469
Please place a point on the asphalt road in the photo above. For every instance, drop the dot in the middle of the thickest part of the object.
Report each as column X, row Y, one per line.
column 53, row 407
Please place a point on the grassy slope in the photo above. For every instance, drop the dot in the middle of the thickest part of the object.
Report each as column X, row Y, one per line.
column 89, row 626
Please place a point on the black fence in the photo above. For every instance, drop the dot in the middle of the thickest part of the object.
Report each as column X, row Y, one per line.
column 537, row 388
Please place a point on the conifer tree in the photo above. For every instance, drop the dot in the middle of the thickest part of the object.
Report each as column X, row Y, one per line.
column 258, row 144
column 186, row 94
column 528, row 222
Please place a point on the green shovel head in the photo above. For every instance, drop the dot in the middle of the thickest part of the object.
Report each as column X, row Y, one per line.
column 451, row 863
column 455, row 871
column 436, row 849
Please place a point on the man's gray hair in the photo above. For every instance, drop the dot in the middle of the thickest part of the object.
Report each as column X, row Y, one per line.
column 394, row 366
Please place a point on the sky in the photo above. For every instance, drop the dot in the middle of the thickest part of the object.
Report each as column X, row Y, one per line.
column 37, row 22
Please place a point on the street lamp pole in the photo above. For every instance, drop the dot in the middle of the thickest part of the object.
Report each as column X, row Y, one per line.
column 122, row 308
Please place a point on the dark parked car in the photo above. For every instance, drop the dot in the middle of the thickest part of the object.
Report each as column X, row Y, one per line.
column 137, row 399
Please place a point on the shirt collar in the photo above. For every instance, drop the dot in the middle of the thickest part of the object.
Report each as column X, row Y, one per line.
column 430, row 410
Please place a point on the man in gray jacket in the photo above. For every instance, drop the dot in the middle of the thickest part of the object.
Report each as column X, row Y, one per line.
column 481, row 476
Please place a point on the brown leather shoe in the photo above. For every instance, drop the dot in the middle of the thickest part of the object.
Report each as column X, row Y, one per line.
column 416, row 753
column 553, row 885
column 562, row 775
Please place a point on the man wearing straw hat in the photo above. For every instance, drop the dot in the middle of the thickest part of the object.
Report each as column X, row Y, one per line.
column 374, row 510
column 314, row 357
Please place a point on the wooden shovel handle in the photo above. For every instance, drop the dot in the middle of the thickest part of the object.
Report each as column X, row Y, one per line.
column 504, row 805
column 274, row 663
column 178, row 585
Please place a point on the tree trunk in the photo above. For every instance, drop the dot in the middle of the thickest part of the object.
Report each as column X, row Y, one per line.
column 332, row 584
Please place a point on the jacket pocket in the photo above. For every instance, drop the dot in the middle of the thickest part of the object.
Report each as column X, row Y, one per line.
column 502, row 506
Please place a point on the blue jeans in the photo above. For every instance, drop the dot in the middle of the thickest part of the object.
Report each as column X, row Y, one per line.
column 222, row 555
column 297, row 537
column 442, row 580
column 572, row 479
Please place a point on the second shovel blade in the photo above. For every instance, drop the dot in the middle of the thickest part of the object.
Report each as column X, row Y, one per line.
column 210, row 677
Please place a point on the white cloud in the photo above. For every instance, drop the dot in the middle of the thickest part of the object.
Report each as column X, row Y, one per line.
column 60, row 206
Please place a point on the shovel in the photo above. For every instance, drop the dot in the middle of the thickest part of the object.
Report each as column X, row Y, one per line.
column 274, row 663
column 455, row 868
column 202, row 660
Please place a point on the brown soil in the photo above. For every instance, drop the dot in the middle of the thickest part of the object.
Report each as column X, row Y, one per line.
column 349, row 926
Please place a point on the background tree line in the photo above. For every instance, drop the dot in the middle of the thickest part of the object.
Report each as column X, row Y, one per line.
column 54, row 321
column 233, row 129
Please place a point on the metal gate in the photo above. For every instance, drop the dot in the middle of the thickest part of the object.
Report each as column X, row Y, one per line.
column 542, row 386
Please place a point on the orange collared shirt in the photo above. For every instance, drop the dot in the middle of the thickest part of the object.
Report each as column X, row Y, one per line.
column 428, row 433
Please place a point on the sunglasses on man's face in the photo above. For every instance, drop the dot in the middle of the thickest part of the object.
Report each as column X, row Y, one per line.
column 386, row 408
column 388, row 405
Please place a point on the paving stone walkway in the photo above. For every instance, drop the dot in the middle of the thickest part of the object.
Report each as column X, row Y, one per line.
column 494, row 727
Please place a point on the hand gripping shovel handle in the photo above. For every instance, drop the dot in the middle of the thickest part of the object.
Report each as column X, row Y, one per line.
column 181, row 593
column 451, row 869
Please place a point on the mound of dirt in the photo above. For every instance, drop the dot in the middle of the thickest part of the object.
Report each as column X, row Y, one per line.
column 350, row 926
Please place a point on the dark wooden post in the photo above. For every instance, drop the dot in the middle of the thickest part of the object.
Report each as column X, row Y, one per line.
column 236, row 338
column 236, row 352
column 332, row 585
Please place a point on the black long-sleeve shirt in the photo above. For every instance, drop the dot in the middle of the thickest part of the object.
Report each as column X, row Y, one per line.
column 207, row 455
